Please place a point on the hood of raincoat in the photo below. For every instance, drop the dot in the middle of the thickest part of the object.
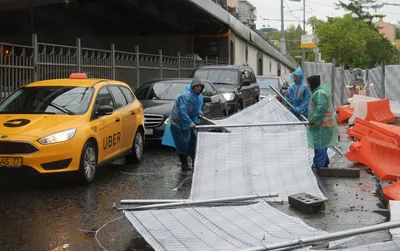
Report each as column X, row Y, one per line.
column 314, row 82
column 324, row 87
column 196, row 81
column 299, row 73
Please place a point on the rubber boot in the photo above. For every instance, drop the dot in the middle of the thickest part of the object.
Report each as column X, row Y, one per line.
column 185, row 165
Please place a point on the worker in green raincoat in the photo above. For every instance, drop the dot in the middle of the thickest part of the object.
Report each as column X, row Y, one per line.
column 322, row 130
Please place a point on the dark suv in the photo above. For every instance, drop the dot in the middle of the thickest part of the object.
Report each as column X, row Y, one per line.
column 237, row 83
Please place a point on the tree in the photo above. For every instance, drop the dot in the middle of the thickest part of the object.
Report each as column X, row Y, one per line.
column 352, row 42
column 360, row 9
column 293, row 40
column 398, row 31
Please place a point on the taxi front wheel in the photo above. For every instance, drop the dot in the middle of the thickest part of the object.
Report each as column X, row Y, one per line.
column 88, row 163
column 137, row 148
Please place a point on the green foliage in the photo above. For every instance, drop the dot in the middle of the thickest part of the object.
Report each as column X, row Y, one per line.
column 293, row 40
column 360, row 9
column 353, row 42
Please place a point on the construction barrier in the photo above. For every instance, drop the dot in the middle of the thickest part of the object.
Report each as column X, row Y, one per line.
column 375, row 130
column 344, row 113
column 380, row 111
column 382, row 157
column 392, row 192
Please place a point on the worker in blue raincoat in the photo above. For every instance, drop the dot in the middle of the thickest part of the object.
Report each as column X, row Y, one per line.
column 299, row 94
column 180, row 130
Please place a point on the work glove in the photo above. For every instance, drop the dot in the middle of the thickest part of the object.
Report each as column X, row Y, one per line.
column 193, row 126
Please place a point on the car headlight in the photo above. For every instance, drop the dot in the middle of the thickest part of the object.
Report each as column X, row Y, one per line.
column 228, row 96
column 166, row 121
column 58, row 137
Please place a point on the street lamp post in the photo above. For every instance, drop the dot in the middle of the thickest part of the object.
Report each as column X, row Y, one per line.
column 283, row 41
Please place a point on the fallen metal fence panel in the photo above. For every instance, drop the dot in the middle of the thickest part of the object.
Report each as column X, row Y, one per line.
column 218, row 228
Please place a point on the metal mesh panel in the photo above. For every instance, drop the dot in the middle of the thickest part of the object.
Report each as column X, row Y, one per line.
column 346, row 84
column 254, row 160
column 218, row 228
column 322, row 69
column 392, row 82
column 375, row 83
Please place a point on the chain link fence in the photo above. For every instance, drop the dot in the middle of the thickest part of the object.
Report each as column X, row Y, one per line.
column 21, row 64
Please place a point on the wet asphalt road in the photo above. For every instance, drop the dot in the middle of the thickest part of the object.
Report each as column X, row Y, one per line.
column 54, row 213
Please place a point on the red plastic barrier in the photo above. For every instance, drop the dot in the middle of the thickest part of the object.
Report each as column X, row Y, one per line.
column 344, row 113
column 392, row 192
column 380, row 111
column 382, row 157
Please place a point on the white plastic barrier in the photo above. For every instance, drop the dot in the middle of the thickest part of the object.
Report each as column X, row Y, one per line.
column 359, row 104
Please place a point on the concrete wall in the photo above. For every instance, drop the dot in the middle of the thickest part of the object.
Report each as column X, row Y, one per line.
column 269, row 64
column 170, row 45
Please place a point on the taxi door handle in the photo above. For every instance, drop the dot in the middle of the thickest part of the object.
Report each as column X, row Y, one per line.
column 133, row 112
column 117, row 120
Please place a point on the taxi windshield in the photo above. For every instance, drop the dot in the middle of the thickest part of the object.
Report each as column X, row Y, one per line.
column 68, row 100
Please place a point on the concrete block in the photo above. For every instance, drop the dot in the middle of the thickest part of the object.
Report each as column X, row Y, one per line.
column 307, row 203
column 394, row 208
column 339, row 172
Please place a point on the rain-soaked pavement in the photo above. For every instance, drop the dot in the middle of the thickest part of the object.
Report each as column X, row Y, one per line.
column 53, row 213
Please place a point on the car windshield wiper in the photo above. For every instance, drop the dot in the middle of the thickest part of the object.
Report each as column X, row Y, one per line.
column 58, row 107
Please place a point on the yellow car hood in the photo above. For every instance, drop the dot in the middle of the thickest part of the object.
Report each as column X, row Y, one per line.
column 37, row 125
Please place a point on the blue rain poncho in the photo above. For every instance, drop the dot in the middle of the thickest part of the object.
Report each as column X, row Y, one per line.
column 322, row 131
column 187, row 108
column 299, row 94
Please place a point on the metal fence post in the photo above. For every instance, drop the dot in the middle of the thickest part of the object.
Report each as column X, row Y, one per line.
column 35, row 57
column 383, row 81
column 206, row 60
column 179, row 64
column 333, row 81
column 367, row 82
column 112, row 61
column 216, row 60
column 137, row 65
column 79, row 55
column 161, row 63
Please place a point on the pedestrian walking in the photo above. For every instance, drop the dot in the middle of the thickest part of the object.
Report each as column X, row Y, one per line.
column 180, row 130
column 322, row 130
column 299, row 94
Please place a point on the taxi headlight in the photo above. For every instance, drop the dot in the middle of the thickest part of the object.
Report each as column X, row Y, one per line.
column 58, row 137
column 166, row 121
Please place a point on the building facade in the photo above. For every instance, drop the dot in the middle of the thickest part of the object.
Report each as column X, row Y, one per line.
column 387, row 30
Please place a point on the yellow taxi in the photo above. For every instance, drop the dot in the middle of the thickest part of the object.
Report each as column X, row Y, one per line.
column 74, row 124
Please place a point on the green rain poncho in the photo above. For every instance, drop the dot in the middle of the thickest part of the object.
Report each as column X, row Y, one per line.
column 322, row 131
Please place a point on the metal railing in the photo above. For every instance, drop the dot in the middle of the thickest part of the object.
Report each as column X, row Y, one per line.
column 21, row 64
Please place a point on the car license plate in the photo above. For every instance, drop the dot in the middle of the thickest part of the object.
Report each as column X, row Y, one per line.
column 10, row 162
column 149, row 131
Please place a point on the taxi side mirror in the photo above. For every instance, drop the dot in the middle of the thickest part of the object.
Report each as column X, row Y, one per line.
column 105, row 110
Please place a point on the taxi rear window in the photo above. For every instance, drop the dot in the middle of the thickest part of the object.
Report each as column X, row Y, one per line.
column 69, row 100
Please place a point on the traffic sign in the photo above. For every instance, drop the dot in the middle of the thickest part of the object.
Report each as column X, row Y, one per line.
column 309, row 41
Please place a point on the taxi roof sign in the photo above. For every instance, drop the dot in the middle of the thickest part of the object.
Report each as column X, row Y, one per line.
column 78, row 76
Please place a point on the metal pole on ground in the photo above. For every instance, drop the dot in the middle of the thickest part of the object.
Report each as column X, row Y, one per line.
column 301, row 115
column 200, row 202
column 327, row 237
column 252, row 125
